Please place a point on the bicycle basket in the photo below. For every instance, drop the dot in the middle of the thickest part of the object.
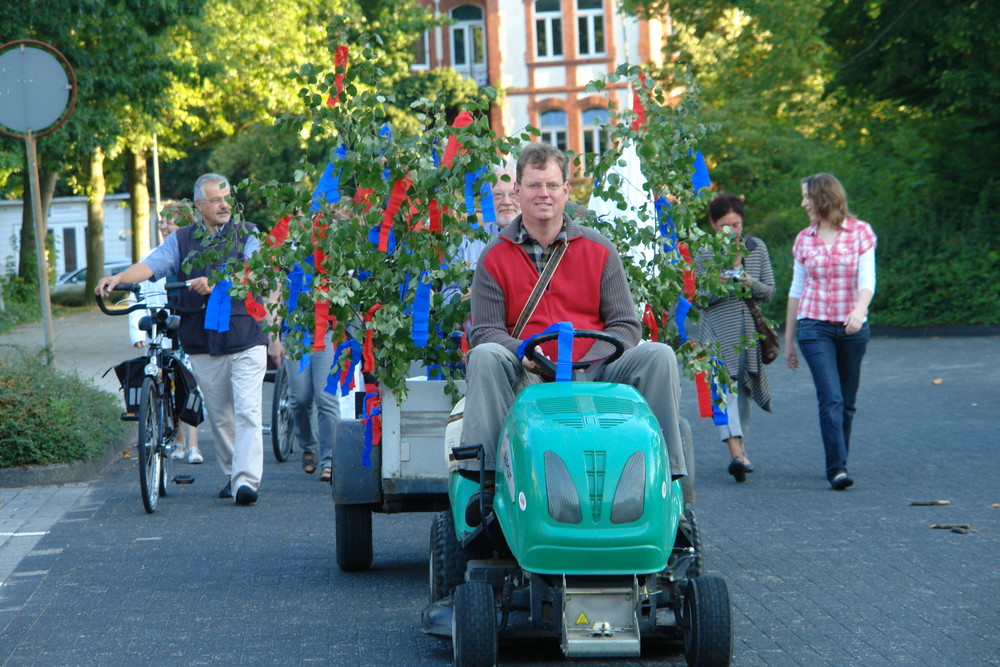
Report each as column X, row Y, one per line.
column 131, row 374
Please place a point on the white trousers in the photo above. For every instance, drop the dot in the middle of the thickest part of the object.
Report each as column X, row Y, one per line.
column 232, row 386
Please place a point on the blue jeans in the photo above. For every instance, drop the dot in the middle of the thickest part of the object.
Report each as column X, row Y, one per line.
column 834, row 357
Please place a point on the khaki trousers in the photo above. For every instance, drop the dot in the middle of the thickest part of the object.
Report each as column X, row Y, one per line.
column 232, row 386
column 495, row 375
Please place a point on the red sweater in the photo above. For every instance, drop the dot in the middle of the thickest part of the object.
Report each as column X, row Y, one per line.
column 588, row 289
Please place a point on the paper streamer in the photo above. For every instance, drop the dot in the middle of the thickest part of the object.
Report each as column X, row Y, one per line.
column 218, row 307
column 683, row 308
column 422, row 310
column 564, row 355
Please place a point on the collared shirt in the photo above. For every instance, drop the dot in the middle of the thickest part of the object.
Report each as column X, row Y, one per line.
column 538, row 254
column 165, row 260
column 831, row 285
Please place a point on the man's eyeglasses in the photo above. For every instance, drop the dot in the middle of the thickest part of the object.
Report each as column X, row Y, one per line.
column 535, row 187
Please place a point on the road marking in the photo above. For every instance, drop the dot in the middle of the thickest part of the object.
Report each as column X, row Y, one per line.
column 38, row 534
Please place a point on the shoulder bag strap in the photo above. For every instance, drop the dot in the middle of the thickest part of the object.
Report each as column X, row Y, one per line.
column 536, row 294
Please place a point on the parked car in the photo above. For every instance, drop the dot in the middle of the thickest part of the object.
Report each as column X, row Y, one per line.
column 74, row 280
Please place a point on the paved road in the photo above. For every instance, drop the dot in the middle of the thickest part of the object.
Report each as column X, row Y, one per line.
column 816, row 577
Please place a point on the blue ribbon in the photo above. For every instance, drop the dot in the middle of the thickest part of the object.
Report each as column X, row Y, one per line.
column 470, row 194
column 333, row 379
column 328, row 187
column 700, row 178
column 218, row 307
column 668, row 232
column 718, row 415
column 683, row 307
column 386, row 133
column 488, row 206
column 564, row 354
column 295, row 279
column 422, row 311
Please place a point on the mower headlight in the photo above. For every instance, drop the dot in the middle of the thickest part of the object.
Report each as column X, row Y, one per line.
column 630, row 496
column 564, row 502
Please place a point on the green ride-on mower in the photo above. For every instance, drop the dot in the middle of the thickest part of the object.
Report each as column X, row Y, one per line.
column 584, row 538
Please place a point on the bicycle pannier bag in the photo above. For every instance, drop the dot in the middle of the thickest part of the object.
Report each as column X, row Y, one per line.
column 188, row 403
column 130, row 375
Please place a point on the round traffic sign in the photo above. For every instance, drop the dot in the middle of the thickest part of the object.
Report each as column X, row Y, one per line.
column 35, row 87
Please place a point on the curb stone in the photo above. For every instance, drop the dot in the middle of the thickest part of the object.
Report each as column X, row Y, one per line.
column 64, row 473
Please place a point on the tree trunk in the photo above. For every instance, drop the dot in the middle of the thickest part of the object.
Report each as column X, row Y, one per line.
column 95, row 219
column 138, row 190
column 27, row 261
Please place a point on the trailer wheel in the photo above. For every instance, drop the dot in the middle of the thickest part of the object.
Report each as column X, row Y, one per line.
column 474, row 626
column 354, row 537
column 707, row 622
column 448, row 559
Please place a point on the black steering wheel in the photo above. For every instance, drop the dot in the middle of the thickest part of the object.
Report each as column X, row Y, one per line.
column 548, row 367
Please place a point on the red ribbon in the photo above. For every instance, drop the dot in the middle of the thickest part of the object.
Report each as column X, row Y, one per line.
column 340, row 61
column 704, row 394
column 687, row 274
column 318, row 234
column 395, row 201
column 254, row 309
column 363, row 197
column 368, row 348
column 637, row 106
column 649, row 319
column 453, row 145
column 280, row 232
column 434, row 216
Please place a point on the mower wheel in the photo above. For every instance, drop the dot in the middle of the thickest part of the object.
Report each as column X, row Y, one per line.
column 354, row 537
column 448, row 559
column 707, row 621
column 474, row 626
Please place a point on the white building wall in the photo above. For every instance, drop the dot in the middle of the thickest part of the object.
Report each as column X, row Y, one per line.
column 69, row 213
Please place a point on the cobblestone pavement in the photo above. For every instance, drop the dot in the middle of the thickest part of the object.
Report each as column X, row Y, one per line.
column 816, row 577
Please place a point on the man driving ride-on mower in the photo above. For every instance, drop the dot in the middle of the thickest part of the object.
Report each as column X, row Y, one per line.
column 543, row 268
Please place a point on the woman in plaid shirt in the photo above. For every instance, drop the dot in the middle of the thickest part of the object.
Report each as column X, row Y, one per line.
column 833, row 283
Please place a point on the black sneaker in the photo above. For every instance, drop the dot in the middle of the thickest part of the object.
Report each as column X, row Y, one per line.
column 841, row 481
column 245, row 495
column 227, row 490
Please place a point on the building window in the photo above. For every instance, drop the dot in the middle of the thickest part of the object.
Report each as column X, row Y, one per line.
column 590, row 27
column 552, row 123
column 421, row 52
column 548, row 29
column 468, row 43
column 595, row 135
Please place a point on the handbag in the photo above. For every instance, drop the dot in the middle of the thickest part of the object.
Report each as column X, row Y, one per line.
column 770, row 345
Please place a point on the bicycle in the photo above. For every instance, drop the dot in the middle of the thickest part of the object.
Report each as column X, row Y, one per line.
column 157, row 418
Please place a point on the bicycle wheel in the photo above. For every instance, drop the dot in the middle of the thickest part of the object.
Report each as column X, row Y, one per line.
column 282, row 431
column 150, row 432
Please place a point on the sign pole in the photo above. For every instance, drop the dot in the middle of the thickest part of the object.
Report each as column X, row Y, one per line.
column 43, row 265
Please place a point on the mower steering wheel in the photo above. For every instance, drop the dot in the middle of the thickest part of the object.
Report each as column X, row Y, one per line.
column 548, row 367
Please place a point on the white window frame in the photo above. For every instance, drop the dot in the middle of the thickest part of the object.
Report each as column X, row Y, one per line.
column 424, row 40
column 473, row 32
column 556, row 134
column 548, row 24
column 594, row 124
column 587, row 23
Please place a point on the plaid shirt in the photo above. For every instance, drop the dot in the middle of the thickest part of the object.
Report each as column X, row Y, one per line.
column 831, row 289
column 538, row 254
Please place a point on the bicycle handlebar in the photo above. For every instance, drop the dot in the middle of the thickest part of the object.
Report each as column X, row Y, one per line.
column 134, row 289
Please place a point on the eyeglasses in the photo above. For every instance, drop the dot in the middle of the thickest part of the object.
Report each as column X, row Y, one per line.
column 505, row 195
column 535, row 187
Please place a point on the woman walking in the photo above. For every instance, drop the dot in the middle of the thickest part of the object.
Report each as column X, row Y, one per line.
column 832, row 285
column 727, row 320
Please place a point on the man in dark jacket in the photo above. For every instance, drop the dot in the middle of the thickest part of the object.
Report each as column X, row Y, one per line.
column 229, row 363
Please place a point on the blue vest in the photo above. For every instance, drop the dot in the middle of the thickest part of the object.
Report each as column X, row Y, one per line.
column 225, row 246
